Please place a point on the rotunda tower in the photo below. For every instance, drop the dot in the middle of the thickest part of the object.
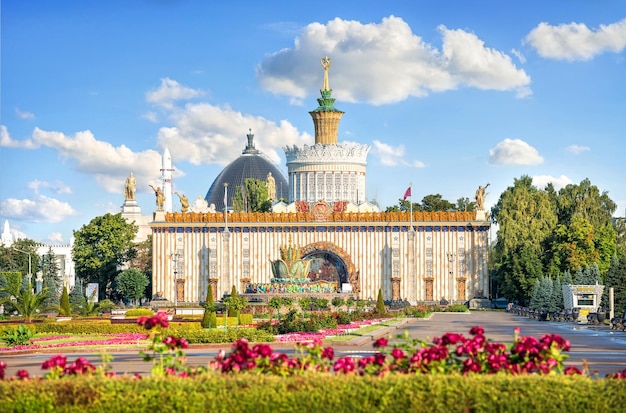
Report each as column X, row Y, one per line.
column 327, row 171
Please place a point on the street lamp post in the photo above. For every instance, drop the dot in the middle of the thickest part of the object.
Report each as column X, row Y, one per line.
column 451, row 258
column 175, row 258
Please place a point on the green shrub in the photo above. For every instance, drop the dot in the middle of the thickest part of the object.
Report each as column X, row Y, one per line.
column 417, row 312
column 106, row 305
column 208, row 316
column 19, row 336
column 309, row 393
column 230, row 321
column 381, row 310
column 246, row 319
column 138, row 312
column 457, row 308
column 65, row 309
column 228, row 335
column 291, row 323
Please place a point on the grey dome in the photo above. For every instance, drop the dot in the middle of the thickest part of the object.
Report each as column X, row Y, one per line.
column 251, row 164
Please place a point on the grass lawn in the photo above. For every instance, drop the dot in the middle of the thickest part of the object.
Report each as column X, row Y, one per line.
column 361, row 332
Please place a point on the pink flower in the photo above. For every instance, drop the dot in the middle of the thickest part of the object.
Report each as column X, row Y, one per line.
column 328, row 353
column 263, row 350
column 396, row 353
column 344, row 365
column 54, row 361
column 22, row 375
column 572, row 371
column 381, row 342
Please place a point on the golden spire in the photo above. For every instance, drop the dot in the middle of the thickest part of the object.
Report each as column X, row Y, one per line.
column 326, row 63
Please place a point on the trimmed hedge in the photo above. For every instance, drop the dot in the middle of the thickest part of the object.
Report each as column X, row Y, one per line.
column 232, row 321
column 228, row 335
column 105, row 327
column 139, row 312
column 353, row 394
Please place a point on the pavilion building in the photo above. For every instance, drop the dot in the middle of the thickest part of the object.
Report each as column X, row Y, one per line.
column 409, row 256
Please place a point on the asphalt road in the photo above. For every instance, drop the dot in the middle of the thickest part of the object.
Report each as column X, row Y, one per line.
column 604, row 350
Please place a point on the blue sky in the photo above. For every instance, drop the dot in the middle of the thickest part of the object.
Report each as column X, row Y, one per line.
column 449, row 94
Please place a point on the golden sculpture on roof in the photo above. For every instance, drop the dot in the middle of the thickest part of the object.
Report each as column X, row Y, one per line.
column 326, row 63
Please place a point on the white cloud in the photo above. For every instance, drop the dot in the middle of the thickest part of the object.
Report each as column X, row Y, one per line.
column 388, row 155
column 24, row 115
column 392, row 156
column 207, row 134
column 56, row 237
column 415, row 164
column 575, row 41
column 170, row 91
column 576, row 149
column 386, row 62
column 39, row 209
column 57, row 187
column 109, row 165
column 540, row 181
column 519, row 55
column 151, row 116
column 7, row 142
column 514, row 152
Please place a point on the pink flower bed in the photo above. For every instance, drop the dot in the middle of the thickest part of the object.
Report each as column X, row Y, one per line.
column 115, row 339
column 322, row 334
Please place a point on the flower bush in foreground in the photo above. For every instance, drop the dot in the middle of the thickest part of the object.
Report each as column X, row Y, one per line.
column 451, row 353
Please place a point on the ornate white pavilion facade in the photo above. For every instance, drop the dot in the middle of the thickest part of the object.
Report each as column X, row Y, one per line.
column 417, row 257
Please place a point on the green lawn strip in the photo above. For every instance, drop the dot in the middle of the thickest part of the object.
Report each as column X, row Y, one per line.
column 361, row 331
column 78, row 339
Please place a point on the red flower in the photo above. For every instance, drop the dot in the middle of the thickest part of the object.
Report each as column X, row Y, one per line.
column 22, row 374
column 381, row 342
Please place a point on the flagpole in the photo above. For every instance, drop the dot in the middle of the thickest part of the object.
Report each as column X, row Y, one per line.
column 411, row 203
column 226, row 206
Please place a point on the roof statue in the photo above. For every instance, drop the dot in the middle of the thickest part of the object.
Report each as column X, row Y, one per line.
column 271, row 186
column 129, row 187
column 326, row 64
column 184, row 203
column 480, row 196
column 160, row 198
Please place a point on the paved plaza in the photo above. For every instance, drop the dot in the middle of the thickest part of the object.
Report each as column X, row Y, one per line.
column 603, row 349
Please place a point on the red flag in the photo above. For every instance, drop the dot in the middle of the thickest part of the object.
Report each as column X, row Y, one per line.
column 407, row 193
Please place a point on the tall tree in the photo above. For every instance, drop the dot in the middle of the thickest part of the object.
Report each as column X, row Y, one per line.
column 52, row 279
column 616, row 279
column 465, row 204
column 526, row 218
column 20, row 256
column 252, row 197
column 558, row 303
column 143, row 261
column 586, row 232
column 620, row 229
column 131, row 284
column 436, row 203
column 585, row 200
column 101, row 247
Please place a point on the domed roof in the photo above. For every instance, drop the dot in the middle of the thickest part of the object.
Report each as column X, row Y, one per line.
column 251, row 164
